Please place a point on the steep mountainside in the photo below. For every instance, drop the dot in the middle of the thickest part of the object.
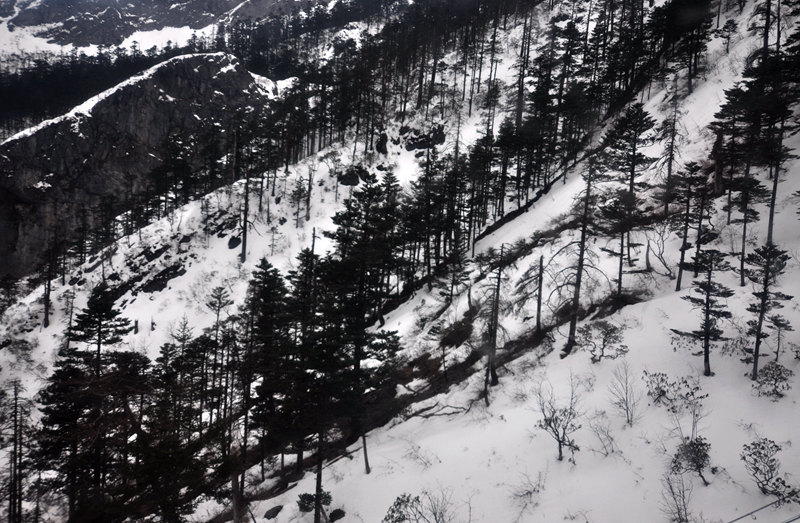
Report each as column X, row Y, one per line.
column 55, row 174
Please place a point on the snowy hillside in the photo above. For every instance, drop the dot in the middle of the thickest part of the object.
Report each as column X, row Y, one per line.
column 479, row 463
column 464, row 451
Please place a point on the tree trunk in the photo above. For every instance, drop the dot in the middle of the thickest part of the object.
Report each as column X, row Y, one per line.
column 775, row 179
column 576, row 295
column 707, row 329
column 684, row 239
column 539, row 296
column 237, row 503
column 318, row 489
column 621, row 263
column 762, row 310
column 367, row 469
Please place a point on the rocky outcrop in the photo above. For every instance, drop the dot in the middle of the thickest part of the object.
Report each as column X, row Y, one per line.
column 55, row 172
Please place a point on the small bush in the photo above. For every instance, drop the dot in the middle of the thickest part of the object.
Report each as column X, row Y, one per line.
column 692, row 456
column 305, row 501
column 675, row 395
column 659, row 388
column 430, row 507
column 760, row 461
column 602, row 339
column 773, row 380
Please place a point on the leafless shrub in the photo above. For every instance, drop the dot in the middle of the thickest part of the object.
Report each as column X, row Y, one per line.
column 526, row 492
column 676, row 494
column 416, row 453
column 578, row 515
column 601, row 429
column 520, row 394
column 625, row 396
column 428, row 507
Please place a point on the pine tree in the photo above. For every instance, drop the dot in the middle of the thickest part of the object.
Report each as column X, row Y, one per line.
column 691, row 195
column 16, row 426
column 696, row 30
column 670, row 134
column 585, row 212
column 622, row 146
column 99, row 323
column 81, row 437
column 325, row 366
column 619, row 214
column 297, row 197
column 492, row 327
column 622, row 153
column 168, row 460
column 218, row 302
column 65, row 402
column 305, row 323
column 354, row 276
column 748, row 192
column 712, row 309
column 266, row 306
column 767, row 263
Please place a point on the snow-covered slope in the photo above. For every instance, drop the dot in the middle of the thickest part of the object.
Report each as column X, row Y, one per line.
column 489, row 463
column 492, row 463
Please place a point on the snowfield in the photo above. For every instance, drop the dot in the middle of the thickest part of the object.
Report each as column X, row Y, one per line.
column 492, row 463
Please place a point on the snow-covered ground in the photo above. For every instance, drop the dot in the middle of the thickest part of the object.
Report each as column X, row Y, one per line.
column 492, row 464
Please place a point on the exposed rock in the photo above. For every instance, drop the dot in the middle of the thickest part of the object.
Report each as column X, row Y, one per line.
column 52, row 173
column 273, row 512
column 336, row 515
column 423, row 140
column 85, row 22
column 233, row 242
column 353, row 175
column 383, row 140
column 159, row 282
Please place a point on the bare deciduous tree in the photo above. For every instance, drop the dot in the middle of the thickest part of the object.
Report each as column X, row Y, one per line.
column 559, row 420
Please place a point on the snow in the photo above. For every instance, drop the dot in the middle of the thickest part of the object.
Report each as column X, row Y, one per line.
column 176, row 36
column 265, row 85
column 229, row 15
column 23, row 40
column 488, row 461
